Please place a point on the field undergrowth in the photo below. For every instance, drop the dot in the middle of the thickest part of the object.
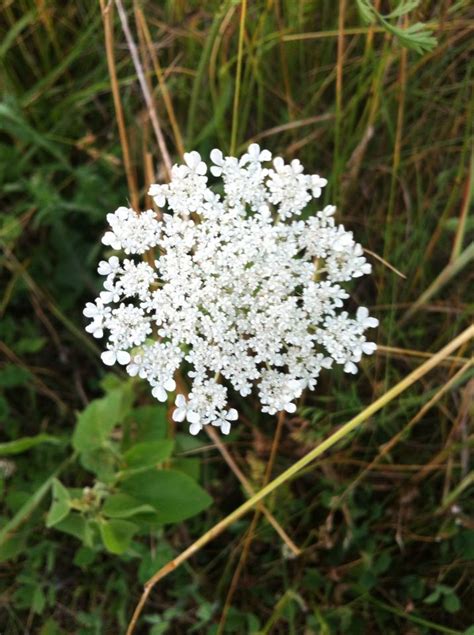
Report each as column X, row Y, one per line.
column 384, row 521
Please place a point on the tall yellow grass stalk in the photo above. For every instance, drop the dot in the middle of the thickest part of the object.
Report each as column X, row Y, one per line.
column 292, row 471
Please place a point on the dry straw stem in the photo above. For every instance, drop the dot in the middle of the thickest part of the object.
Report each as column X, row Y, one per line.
column 385, row 262
column 408, row 352
column 466, row 202
column 107, row 18
column 159, row 74
column 388, row 447
column 292, row 471
column 144, row 86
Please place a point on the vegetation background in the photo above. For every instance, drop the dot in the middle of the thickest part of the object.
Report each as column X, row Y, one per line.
column 97, row 491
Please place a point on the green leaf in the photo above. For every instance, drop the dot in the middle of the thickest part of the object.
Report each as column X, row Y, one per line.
column 451, row 603
column 366, row 11
column 123, row 506
column 404, row 7
column 150, row 562
column 149, row 422
column 13, row 546
column 117, row 534
column 60, row 507
column 30, row 344
column 38, row 600
column 84, row 557
column 148, row 454
column 174, row 495
column 102, row 462
column 75, row 525
column 12, row 376
column 11, row 37
column 50, row 627
column 96, row 422
column 190, row 466
column 25, row 443
column 416, row 36
column 30, row 505
column 432, row 598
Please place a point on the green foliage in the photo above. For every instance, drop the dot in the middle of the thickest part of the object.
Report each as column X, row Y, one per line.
column 21, row 445
column 131, row 480
column 415, row 36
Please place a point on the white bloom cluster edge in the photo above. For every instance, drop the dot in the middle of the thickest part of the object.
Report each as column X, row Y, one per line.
column 240, row 289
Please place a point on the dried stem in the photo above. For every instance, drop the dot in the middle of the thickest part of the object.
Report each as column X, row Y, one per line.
column 144, row 86
column 107, row 16
column 161, row 80
column 250, row 491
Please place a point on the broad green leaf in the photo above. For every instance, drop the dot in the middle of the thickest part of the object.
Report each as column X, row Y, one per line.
column 96, row 422
column 60, row 507
column 432, row 598
column 190, row 466
column 84, row 557
column 451, row 603
column 102, row 462
column 30, row 344
column 75, row 525
column 124, row 506
column 11, row 375
column 174, row 495
column 25, row 443
column 148, row 454
column 149, row 423
column 116, row 534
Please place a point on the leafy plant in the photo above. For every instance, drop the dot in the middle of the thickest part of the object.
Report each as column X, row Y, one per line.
column 415, row 36
column 134, row 489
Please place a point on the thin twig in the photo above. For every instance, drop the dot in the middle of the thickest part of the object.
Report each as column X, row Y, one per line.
column 253, row 526
column 250, row 491
column 292, row 471
column 163, row 87
column 385, row 262
column 144, row 86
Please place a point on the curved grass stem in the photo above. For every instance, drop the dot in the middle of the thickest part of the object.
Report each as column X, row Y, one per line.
column 292, row 471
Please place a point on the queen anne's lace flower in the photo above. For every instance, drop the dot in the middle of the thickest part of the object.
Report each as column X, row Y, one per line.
column 239, row 289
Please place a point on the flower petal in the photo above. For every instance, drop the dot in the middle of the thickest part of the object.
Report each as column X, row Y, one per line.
column 109, row 358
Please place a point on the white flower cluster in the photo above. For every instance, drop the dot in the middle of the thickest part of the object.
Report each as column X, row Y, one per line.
column 240, row 289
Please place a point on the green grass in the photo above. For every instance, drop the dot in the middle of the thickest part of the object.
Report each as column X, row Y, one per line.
column 387, row 535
